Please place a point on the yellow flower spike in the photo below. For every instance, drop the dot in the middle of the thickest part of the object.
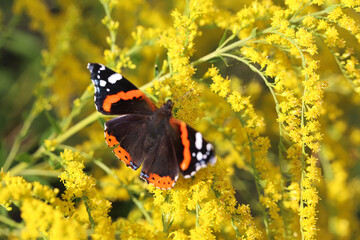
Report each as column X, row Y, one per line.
column 219, row 85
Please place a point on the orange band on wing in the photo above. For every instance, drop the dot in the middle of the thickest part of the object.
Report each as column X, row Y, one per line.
column 110, row 140
column 186, row 143
column 161, row 182
column 110, row 99
column 123, row 155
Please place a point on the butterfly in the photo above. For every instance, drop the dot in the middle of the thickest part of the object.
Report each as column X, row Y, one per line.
column 146, row 135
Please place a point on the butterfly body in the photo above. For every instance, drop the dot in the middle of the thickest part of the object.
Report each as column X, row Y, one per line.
column 146, row 135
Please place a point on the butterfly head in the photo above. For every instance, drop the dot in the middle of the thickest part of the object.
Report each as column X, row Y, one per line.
column 168, row 106
column 165, row 112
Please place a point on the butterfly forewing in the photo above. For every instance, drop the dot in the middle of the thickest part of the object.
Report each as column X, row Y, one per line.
column 115, row 95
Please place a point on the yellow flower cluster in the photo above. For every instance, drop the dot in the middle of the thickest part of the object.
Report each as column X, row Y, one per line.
column 210, row 196
column 42, row 212
column 80, row 185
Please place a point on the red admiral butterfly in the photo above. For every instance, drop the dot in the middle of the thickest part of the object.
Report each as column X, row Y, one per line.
column 146, row 134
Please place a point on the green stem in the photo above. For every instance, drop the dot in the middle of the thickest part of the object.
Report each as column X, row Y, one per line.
column 315, row 14
column 17, row 143
column 77, row 127
column 141, row 208
column 11, row 222
column 221, row 51
column 197, row 209
column 303, row 109
column 40, row 172
column 76, row 109
column 106, row 169
column 112, row 33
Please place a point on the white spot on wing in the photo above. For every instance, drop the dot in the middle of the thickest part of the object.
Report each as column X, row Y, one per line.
column 102, row 83
column 209, row 147
column 199, row 156
column 114, row 78
column 102, row 67
column 198, row 140
column 197, row 166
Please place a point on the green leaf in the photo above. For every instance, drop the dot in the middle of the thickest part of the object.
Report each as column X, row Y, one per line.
column 331, row 8
column 88, row 209
column 224, row 60
column 238, row 235
column 223, row 38
column 167, row 222
column 253, row 33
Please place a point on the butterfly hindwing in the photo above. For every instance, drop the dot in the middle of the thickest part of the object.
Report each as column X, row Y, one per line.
column 194, row 151
column 162, row 169
column 126, row 135
column 115, row 95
